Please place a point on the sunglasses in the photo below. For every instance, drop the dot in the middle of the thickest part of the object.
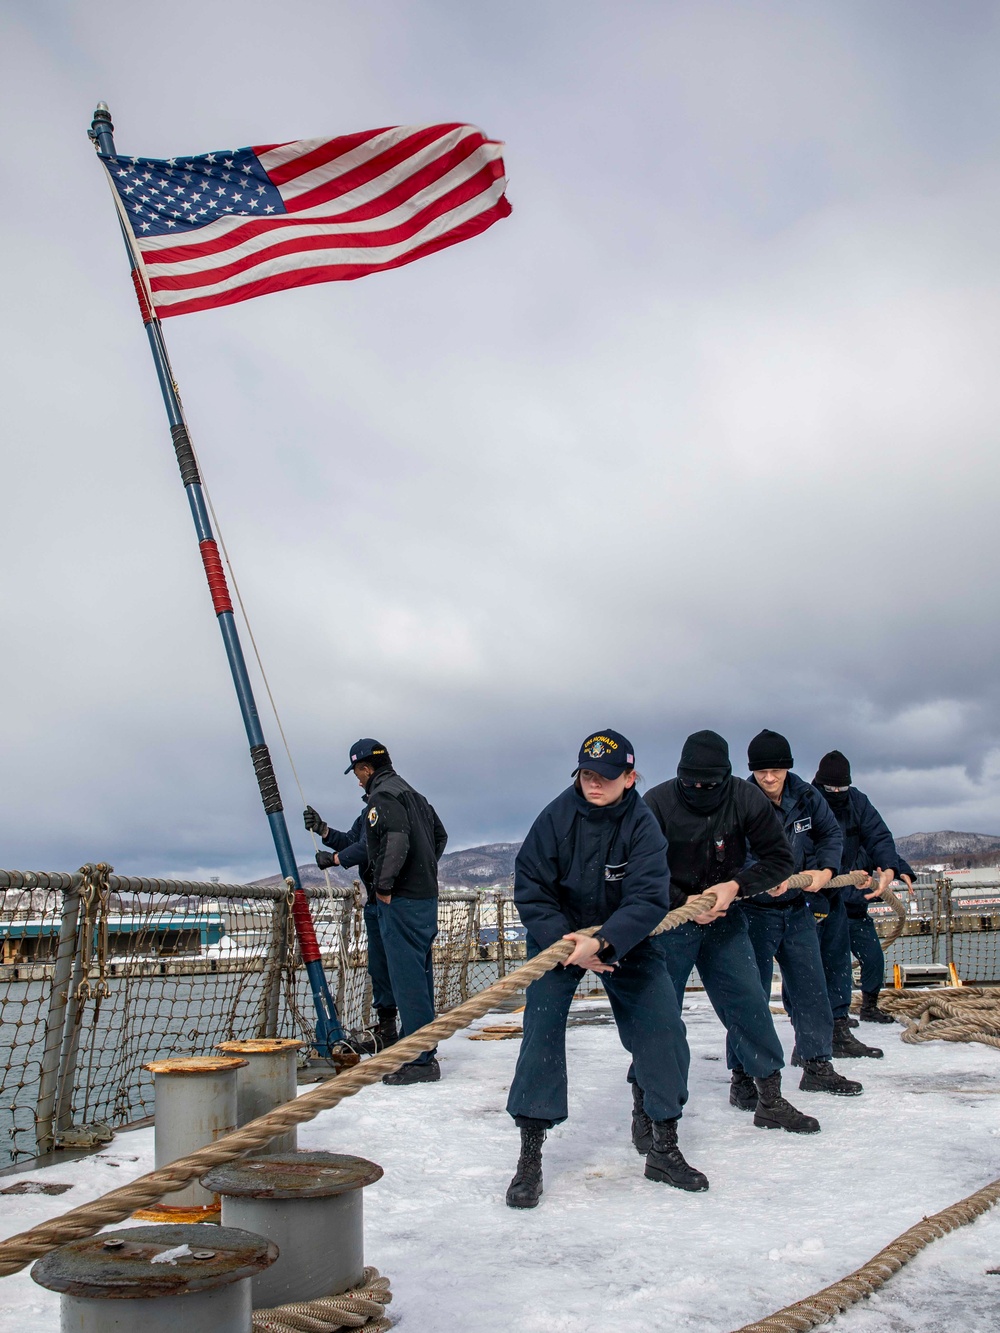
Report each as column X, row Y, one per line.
column 701, row 786
column 826, row 788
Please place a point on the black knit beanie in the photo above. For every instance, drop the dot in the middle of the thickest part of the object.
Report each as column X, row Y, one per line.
column 769, row 749
column 704, row 758
column 834, row 770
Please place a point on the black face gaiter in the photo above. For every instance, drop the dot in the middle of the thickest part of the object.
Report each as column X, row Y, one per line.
column 703, row 801
column 838, row 801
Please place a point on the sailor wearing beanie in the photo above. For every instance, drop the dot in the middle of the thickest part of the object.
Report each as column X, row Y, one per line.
column 868, row 846
column 782, row 925
column 595, row 857
column 723, row 835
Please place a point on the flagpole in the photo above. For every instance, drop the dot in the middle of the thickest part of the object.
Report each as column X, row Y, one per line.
column 328, row 1029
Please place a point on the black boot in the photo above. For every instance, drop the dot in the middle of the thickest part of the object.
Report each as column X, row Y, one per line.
column 429, row 1072
column 846, row 1045
column 820, row 1076
column 386, row 1030
column 870, row 1012
column 853, row 1023
column 796, row 1059
column 525, row 1189
column 773, row 1112
column 642, row 1126
column 665, row 1162
column 742, row 1091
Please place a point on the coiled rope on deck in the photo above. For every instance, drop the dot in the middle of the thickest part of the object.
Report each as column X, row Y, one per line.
column 964, row 1013
column 360, row 1307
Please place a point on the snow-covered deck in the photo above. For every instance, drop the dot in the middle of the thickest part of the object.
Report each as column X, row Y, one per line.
column 608, row 1250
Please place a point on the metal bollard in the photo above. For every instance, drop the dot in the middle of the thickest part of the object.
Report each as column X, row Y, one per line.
column 267, row 1081
column 195, row 1105
column 114, row 1282
column 310, row 1205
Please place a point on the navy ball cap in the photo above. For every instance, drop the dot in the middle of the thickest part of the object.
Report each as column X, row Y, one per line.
column 366, row 748
column 606, row 752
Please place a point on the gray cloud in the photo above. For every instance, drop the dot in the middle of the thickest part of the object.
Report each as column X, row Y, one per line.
column 704, row 435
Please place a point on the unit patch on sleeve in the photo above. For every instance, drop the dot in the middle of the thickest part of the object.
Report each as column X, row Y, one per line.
column 372, row 817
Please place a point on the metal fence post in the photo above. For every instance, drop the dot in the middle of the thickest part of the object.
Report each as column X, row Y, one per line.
column 274, row 964
column 70, row 1045
column 935, row 918
column 344, row 958
column 55, row 1024
column 949, row 925
column 501, row 939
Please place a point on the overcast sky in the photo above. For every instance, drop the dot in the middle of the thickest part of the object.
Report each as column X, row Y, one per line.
column 703, row 435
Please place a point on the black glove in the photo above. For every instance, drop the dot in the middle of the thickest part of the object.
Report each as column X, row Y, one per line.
column 325, row 860
column 314, row 823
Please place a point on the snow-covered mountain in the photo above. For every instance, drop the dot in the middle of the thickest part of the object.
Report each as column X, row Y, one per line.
column 947, row 845
column 475, row 867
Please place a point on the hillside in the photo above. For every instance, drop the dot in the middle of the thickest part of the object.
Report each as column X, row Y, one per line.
column 493, row 863
column 948, row 845
column 475, row 867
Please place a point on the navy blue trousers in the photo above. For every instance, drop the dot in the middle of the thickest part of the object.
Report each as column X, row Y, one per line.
column 378, row 964
column 407, row 927
column 789, row 934
column 835, row 948
column 868, row 951
column 728, row 969
column 649, row 1024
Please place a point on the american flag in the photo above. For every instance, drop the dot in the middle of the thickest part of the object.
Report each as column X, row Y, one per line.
column 223, row 227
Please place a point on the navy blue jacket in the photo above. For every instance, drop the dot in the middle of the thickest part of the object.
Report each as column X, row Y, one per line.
column 868, row 845
column 813, row 834
column 352, row 849
column 588, row 865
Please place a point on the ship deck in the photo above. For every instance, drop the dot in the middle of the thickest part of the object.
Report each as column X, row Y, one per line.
column 606, row 1249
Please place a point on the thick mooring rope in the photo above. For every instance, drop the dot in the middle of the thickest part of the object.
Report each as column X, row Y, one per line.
column 964, row 1013
column 23, row 1248
column 361, row 1307
column 831, row 1301
column 896, row 929
column 116, row 1205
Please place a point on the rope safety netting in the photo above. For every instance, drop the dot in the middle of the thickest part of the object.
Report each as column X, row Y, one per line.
column 365, row 1306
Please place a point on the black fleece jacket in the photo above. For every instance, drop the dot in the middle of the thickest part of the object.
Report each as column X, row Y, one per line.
column 405, row 838
column 707, row 849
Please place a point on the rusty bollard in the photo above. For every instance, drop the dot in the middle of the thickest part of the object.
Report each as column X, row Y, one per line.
column 310, row 1205
column 195, row 1105
column 157, row 1279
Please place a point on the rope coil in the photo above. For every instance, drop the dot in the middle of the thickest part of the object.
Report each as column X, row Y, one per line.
column 361, row 1307
column 969, row 1013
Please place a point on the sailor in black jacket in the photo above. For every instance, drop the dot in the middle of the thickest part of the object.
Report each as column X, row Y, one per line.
column 595, row 857
column 782, row 925
column 405, row 840
column 868, row 846
column 350, row 850
column 712, row 821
